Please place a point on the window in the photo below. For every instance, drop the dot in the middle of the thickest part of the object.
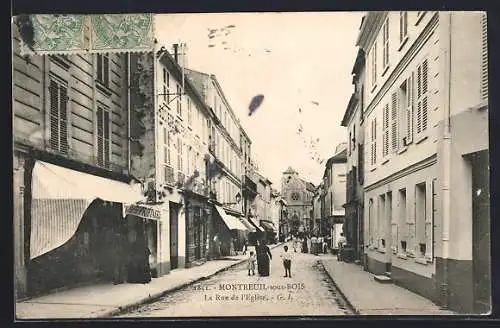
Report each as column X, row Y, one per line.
column 373, row 70
column 189, row 113
column 370, row 222
column 385, row 131
column 381, row 222
column 349, row 142
column 373, row 140
column 103, row 137
column 421, row 219
column 394, row 121
column 392, row 219
column 385, row 41
column 354, row 137
column 361, row 103
column 179, row 99
column 422, row 97
column 103, row 69
column 403, row 26
column 402, row 220
column 484, row 58
column 179, row 155
column 361, row 164
column 58, row 116
column 166, row 86
column 406, row 111
column 168, row 170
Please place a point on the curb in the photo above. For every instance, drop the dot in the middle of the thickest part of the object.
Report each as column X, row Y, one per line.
column 356, row 310
column 152, row 297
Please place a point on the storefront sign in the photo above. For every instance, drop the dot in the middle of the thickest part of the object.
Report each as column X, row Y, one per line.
column 143, row 212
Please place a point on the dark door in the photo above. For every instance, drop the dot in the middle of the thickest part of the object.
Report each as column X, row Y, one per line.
column 481, row 232
column 174, row 216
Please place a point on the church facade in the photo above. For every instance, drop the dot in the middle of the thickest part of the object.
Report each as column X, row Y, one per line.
column 298, row 194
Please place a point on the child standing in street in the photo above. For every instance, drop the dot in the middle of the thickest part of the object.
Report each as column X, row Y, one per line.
column 251, row 263
column 287, row 261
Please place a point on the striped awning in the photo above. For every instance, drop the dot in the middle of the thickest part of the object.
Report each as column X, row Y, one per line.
column 247, row 224
column 267, row 225
column 60, row 197
column 231, row 222
column 256, row 225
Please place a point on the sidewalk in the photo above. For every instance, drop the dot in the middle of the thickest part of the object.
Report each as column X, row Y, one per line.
column 369, row 297
column 105, row 300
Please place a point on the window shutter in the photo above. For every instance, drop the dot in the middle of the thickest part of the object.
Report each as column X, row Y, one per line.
column 409, row 110
column 375, row 140
column 99, row 67
column 100, row 135
column 385, row 143
column 107, row 139
column 419, row 99
column 106, row 70
column 54, row 115
column 425, row 83
column 394, row 122
column 63, row 120
column 484, row 58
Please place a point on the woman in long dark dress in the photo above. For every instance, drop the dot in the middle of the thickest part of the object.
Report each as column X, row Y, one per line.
column 263, row 258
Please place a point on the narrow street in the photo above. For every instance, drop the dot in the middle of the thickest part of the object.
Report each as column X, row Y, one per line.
column 309, row 292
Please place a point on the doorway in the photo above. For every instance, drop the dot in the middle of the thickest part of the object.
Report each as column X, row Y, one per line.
column 174, row 235
column 481, row 241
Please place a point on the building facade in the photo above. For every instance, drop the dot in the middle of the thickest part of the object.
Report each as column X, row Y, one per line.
column 298, row 195
column 354, row 122
column 71, row 169
column 230, row 160
column 334, row 194
column 426, row 154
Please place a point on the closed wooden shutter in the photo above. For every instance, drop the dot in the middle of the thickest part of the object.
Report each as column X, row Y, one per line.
column 385, row 131
column 100, row 140
column 394, row 122
column 409, row 109
column 54, row 115
column 105, row 65
column 106, row 139
column 484, row 58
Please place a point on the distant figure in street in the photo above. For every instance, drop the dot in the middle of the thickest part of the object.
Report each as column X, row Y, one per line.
column 263, row 258
column 286, row 256
column 324, row 246
column 304, row 245
column 245, row 247
column 251, row 263
column 314, row 245
column 340, row 244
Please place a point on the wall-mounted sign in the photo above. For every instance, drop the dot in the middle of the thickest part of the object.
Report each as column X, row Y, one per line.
column 143, row 211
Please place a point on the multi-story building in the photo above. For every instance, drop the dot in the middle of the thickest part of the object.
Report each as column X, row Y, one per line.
column 333, row 194
column 298, row 195
column 426, row 116
column 353, row 121
column 278, row 207
column 227, row 155
column 317, row 201
column 71, row 169
column 262, row 207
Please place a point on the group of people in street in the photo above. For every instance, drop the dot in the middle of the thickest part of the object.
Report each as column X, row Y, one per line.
column 314, row 245
column 262, row 258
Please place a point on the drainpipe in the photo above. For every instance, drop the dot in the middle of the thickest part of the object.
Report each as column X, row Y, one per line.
column 446, row 163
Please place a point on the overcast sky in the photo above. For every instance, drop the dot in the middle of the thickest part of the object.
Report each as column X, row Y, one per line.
column 293, row 59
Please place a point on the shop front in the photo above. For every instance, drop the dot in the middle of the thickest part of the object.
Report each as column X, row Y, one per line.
column 269, row 231
column 257, row 234
column 226, row 229
column 75, row 228
column 197, row 228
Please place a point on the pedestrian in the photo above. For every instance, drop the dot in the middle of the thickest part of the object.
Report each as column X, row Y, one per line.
column 286, row 256
column 251, row 263
column 341, row 244
column 263, row 258
column 245, row 247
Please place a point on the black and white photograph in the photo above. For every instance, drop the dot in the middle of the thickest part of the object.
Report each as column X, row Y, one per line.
column 270, row 164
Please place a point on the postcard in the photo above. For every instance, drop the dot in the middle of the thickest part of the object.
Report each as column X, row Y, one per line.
column 314, row 164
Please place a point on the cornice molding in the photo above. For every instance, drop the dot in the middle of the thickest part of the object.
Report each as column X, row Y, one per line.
column 370, row 29
column 429, row 161
column 403, row 63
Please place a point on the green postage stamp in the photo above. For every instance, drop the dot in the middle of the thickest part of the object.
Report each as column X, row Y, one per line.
column 66, row 34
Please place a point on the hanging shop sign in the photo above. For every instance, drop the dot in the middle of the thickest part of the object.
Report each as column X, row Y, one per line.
column 143, row 211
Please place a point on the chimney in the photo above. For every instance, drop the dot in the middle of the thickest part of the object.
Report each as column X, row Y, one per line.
column 176, row 52
column 179, row 53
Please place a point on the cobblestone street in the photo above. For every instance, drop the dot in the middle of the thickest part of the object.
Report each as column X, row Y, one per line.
column 308, row 292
